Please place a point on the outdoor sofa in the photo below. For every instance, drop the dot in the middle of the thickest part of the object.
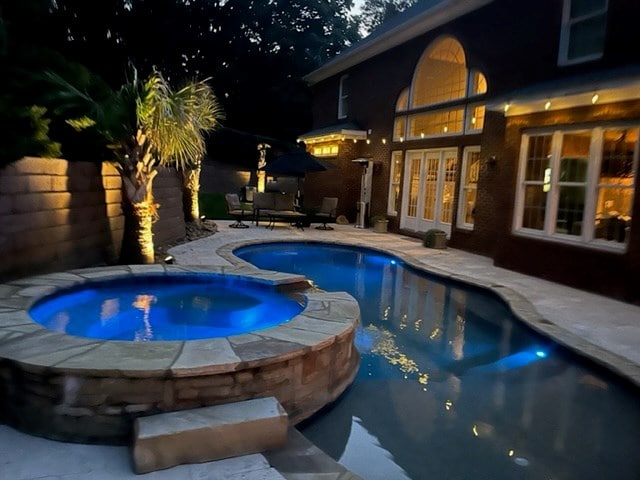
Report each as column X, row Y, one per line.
column 274, row 206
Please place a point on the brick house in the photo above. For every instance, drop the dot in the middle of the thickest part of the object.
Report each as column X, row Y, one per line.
column 512, row 126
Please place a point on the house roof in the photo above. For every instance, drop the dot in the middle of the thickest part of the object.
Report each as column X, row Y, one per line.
column 607, row 86
column 419, row 19
column 349, row 131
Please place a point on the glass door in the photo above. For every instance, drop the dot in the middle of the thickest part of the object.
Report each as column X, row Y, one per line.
column 429, row 190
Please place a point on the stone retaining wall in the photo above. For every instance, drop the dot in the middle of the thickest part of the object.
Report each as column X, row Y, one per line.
column 76, row 407
column 56, row 215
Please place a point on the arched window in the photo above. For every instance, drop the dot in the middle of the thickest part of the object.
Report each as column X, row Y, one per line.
column 478, row 83
column 441, row 74
column 441, row 78
column 402, row 103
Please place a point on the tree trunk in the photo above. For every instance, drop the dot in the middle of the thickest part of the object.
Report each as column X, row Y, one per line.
column 137, row 239
column 138, row 206
column 190, row 189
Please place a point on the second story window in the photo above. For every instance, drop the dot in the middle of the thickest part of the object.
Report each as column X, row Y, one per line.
column 432, row 106
column 583, row 31
column 343, row 97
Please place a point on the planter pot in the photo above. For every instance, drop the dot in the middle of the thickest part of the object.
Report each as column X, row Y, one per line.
column 380, row 226
column 435, row 239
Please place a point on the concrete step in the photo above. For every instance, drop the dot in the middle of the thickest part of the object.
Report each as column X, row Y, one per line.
column 209, row 433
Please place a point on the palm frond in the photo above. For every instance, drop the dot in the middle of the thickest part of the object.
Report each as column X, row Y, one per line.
column 175, row 121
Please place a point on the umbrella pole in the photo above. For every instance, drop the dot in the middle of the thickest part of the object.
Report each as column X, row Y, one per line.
column 298, row 195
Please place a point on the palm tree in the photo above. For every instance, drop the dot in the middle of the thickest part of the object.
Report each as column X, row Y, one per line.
column 147, row 125
column 190, row 189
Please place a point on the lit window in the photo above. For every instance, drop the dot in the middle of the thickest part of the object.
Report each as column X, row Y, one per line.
column 394, row 183
column 402, row 103
column 343, row 97
column 583, row 30
column 475, row 118
column 399, row 126
column 578, row 186
column 478, row 83
column 438, row 123
column 468, row 187
column 326, row 150
column 441, row 75
column 615, row 185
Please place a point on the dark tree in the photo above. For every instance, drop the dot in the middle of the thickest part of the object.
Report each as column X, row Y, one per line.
column 376, row 12
column 23, row 55
column 255, row 51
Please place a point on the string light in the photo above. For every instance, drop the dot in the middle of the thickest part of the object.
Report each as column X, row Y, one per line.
column 547, row 105
column 595, row 98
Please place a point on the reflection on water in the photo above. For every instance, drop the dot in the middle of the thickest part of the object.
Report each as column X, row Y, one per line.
column 166, row 308
column 451, row 387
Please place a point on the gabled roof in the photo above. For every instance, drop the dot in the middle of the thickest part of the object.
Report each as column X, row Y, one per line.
column 421, row 18
column 348, row 131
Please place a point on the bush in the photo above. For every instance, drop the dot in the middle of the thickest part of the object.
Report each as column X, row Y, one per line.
column 213, row 206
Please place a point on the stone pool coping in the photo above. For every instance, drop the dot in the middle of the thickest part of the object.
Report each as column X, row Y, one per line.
column 77, row 377
column 520, row 306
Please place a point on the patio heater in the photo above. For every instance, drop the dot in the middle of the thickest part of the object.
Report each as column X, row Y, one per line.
column 365, row 191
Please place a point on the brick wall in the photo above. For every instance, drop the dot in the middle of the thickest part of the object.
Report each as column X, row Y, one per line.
column 342, row 181
column 56, row 215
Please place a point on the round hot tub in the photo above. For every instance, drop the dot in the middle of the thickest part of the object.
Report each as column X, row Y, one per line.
column 252, row 333
column 161, row 307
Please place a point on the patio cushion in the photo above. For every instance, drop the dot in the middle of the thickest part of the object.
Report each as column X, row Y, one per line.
column 284, row 202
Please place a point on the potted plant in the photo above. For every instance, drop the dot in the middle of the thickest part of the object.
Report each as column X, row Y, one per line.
column 379, row 223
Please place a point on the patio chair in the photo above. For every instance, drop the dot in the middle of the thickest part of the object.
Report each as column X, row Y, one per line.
column 234, row 208
column 327, row 213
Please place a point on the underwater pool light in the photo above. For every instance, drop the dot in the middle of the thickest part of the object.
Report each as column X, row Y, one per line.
column 541, row 354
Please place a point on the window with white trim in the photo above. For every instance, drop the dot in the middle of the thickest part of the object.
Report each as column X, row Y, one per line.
column 343, row 97
column 395, row 178
column 399, row 127
column 441, row 78
column 578, row 185
column 583, row 31
column 468, row 187
column 475, row 118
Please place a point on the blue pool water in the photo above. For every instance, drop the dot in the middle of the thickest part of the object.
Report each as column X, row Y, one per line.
column 451, row 386
column 148, row 308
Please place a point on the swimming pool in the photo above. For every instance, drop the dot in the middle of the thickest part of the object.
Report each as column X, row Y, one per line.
column 159, row 308
column 452, row 386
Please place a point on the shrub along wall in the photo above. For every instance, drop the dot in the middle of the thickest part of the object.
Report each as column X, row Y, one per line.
column 56, row 215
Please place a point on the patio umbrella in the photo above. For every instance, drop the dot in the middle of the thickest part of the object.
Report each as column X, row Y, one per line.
column 296, row 164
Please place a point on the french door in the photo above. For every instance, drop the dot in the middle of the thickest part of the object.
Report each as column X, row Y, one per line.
column 429, row 190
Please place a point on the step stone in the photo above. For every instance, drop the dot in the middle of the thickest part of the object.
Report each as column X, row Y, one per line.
column 209, row 433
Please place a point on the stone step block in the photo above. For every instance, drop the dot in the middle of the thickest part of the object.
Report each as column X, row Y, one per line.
column 208, row 433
